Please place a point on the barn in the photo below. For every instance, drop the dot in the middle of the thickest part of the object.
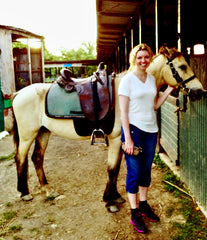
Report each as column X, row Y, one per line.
column 124, row 24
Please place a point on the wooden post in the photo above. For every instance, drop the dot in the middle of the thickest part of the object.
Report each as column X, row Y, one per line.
column 132, row 37
column 6, row 63
column 156, row 28
column 140, row 29
column 29, row 61
column 179, row 24
column 42, row 64
column 125, row 52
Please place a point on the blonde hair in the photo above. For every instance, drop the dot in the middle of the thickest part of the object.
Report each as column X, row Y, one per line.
column 133, row 54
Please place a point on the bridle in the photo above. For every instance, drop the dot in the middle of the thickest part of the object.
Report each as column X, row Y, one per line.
column 181, row 84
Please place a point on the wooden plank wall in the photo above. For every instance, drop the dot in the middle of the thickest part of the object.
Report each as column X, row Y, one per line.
column 198, row 64
column 6, row 63
column 169, row 129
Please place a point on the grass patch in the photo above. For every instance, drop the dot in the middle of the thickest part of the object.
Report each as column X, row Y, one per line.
column 9, row 215
column 195, row 226
column 16, row 228
column 6, row 220
column 50, row 198
column 9, row 157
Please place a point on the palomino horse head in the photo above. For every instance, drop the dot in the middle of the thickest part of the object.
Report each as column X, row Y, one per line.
column 175, row 71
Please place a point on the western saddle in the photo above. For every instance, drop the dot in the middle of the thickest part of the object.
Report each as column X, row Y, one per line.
column 94, row 97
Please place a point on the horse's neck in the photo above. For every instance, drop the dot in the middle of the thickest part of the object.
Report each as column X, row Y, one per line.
column 155, row 69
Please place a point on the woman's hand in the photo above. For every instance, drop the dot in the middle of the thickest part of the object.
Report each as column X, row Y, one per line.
column 124, row 108
column 160, row 100
column 129, row 146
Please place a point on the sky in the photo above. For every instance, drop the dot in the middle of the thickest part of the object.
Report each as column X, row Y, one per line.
column 63, row 23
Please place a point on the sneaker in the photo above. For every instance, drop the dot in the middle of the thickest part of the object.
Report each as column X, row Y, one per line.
column 138, row 223
column 147, row 211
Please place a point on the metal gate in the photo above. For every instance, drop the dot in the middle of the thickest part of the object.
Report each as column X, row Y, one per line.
column 184, row 139
column 193, row 149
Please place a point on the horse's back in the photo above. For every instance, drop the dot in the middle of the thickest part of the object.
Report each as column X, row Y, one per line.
column 28, row 105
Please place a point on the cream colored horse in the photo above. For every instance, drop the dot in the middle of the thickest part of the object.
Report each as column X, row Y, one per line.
column 31, row 123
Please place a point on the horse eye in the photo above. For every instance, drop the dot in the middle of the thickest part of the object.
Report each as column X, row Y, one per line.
column 183, row 67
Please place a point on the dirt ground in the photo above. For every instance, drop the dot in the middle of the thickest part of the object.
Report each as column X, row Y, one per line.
column 78, row 172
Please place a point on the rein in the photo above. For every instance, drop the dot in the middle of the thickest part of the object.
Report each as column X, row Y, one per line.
column 180, row 83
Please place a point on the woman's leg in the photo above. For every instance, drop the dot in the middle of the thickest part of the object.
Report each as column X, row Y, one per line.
column 133, row 200
column 143, row 191
column 149, row 145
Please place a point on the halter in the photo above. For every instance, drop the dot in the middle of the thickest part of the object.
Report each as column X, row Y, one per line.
column 180, row 82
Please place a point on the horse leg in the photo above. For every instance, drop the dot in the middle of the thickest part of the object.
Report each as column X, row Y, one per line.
column 41, row 143
column 111, row 195
column 21, row 159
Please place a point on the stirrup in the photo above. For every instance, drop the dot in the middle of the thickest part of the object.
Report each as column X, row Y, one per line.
column 99, row 137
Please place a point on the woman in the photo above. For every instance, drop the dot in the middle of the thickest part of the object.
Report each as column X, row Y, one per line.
column 138, row 102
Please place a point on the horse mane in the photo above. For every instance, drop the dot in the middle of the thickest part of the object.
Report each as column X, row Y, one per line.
column 170, row 52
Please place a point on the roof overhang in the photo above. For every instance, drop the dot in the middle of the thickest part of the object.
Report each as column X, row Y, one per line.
column 20, row 33
column 114, row 17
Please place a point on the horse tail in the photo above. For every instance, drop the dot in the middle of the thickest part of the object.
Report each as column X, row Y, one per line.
column 15, row 133
column 14, row 128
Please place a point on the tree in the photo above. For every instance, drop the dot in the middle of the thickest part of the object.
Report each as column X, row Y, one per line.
column 85, row 52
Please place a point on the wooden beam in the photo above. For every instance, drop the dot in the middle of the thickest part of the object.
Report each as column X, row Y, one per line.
column 115, row 14
column 124, row 1
column 113, row 26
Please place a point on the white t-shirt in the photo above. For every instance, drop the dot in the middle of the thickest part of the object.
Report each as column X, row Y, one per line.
column 141, row 101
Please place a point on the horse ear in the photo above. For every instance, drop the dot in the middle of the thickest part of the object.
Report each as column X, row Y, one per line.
column 164, row 50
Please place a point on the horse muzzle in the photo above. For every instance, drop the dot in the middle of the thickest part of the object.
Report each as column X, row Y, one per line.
column 195, row 94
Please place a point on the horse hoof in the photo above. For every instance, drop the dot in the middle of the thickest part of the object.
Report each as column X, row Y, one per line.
column 119, row 200
column 27, row 197
column 112, row 208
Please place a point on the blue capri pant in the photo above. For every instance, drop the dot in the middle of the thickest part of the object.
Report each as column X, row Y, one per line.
column 139, row 167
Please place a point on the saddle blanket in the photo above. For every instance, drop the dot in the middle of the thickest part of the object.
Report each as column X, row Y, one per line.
column 60, row 104
column 79, row 104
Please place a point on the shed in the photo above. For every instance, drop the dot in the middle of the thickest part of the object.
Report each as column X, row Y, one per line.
column 19, row 67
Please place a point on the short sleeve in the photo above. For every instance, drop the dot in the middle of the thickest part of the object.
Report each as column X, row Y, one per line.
column 124, row 87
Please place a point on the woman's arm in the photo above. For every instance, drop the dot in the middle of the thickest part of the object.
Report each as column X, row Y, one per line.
column 160, row 100
column 124, row 108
